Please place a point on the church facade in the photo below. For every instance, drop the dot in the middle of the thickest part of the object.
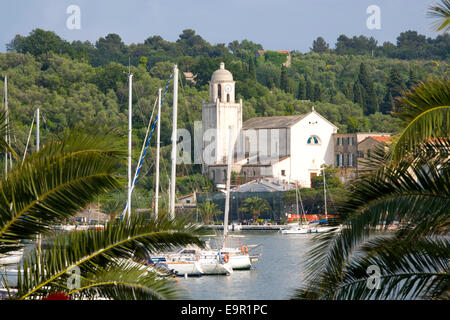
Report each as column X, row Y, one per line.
column 287, row 149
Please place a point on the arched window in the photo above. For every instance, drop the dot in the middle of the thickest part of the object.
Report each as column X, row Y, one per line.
column 228, row 97
column 219, row 92
column 313, row 140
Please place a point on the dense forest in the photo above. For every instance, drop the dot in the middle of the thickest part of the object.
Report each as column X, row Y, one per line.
column 354, row 85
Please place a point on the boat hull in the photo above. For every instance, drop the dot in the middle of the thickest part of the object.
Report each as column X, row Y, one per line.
column 184, row 268
column 240, row 262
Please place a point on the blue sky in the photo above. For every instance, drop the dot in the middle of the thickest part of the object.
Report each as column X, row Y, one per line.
column 276, row 24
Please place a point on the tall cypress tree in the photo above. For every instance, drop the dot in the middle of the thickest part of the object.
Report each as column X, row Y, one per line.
column 301, row 92
column 348, row 91
column 388, row 103
column 394, row 88
column 370, row 102
column 317, row 93
column 251, row 68
column 395, row 83
column 412, row 81
column 357, row 94
column 284, row 79
column 309, row 90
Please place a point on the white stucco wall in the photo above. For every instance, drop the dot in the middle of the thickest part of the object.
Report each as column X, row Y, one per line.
column 307, row 158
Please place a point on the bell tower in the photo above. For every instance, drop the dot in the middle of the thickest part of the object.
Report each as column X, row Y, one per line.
column 221, row 114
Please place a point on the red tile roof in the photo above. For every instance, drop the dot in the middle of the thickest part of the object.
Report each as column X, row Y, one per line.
column 381, row 138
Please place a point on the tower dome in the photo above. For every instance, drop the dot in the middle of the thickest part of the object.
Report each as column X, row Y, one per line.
column 222, row 75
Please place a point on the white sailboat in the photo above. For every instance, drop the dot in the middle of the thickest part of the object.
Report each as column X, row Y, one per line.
column 307, row 228
column 190, row 260
column 238, row 258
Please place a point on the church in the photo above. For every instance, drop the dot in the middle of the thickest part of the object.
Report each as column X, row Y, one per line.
column 287, row 149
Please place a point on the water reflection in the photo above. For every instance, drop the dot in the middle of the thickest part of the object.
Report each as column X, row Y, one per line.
column 273, row 277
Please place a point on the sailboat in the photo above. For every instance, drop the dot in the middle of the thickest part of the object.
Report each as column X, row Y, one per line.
column 188, row 261
column 310, row 227
column 238, row 258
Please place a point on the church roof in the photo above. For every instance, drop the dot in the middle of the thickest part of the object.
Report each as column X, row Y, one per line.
column 272, row 122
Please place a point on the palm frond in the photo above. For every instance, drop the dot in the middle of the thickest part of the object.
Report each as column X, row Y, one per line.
column 425, row 112
column 4, row 128
column 413, row 192
column 408, row 269
column 96, row 251
column 128, row 280
column 54, row 184
column 441, row 13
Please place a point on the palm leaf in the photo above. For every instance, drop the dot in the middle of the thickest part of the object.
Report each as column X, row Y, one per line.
column 96, row 251
column 409, row 269
column 440, row 12
column 55, row 184
column 128, row 281
column 426, row 115
column 415, row 192
column 4, row 145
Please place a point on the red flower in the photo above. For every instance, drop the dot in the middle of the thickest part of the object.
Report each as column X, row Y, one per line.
column 57, row 296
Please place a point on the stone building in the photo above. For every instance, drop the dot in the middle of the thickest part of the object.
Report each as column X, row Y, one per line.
column 350, row 148
column 289, row 148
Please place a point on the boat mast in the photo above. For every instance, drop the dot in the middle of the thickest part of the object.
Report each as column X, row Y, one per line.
column 325, row 194
column 227, row 188
column 130, row 128
column 296, row 198
column 174, row 143
column 6, row 125
column 158, row 132
column 37, row 130
column 39, row 237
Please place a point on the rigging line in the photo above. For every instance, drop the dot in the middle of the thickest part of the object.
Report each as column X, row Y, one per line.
column 142, row 114
column 146, row 135
column 330, row 197
column 193, row 182
column 29, row 136
column 138, row 169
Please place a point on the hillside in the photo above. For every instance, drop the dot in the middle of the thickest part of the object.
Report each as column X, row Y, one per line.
column 354, row 86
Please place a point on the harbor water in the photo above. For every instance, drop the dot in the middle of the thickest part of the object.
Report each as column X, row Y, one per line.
column 274, row 277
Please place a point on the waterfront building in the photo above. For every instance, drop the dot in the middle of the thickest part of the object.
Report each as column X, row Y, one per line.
column 351, row 148
column 291, row 149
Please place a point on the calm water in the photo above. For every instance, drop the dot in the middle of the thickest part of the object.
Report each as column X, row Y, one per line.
column 273, row 277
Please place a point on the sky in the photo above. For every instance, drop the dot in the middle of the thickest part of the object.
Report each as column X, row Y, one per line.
column 276, row 24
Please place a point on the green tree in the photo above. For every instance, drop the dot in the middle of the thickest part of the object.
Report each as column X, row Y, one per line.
column 317, row 93
column 251, row 68
column 208, row 210
column 412, row 81
column 319, row 45
column 284, row 79
column 388, row 104
column 309, row 90
column 369, row 97
column 394, row 89
column 255, row 206
column 39, row 42
column 358, row 93
column 301, row 91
